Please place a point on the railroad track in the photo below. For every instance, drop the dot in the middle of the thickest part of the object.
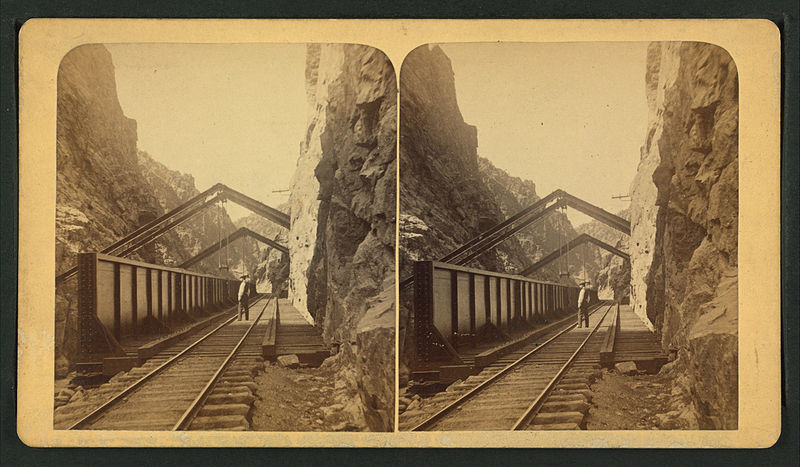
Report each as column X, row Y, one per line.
column 179, row 392
column 551, row 379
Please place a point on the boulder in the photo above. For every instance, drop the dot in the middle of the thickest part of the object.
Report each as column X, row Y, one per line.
column 375, row 364
column 62, row 367
column 626, row 368
column 289, row 361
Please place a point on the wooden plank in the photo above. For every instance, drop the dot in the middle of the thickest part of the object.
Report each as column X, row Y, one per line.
column 607, row 349
column 268, row 349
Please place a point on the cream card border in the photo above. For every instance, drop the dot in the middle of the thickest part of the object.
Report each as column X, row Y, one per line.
column 753, row 44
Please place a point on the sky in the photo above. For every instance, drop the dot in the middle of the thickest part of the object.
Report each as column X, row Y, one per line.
column 229, row 113
column 564, row 115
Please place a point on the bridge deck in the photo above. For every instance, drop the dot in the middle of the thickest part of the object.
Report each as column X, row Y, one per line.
column 636, row 343
column 296, row 336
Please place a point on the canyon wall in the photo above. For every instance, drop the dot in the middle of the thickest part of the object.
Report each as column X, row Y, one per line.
column 343, row 205
column 106, row 187
column 443, row 200
column 684, row 216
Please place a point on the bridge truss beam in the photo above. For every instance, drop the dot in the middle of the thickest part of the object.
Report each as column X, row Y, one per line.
column 575, row 242
column 525, row 217
column 153, row 229
column 241, row 232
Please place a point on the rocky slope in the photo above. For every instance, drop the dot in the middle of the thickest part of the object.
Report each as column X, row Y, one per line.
column 685, row 224
column 105, row 187
column 172, row 188
column 342, row 207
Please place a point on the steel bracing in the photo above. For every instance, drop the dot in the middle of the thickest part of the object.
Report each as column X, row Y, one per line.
column 577, row 241
column 524, row 218
column 154, row 229
column 241, row 232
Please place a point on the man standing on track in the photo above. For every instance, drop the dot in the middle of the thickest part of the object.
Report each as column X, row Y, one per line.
column 243, row 298
column 583, row 305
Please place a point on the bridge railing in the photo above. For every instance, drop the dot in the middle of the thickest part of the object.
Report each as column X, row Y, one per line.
column 119, row 297
column 455, row 305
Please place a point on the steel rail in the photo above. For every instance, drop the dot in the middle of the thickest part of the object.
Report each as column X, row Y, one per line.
column 138, row 383
column 533, row 409
column 189, row 415
column 472, row 392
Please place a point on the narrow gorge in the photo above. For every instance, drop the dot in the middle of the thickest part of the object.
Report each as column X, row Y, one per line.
column 449, row 194
column 669, row 262
column 339, row 269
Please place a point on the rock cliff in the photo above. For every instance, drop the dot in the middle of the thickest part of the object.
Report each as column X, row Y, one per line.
column 444, row 200
column 684, row 215
column 106, row 187
column 342, row 206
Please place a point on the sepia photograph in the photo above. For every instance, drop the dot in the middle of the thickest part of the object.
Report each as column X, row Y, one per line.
column 568, row 237
column 399, row 233
column 225, row 238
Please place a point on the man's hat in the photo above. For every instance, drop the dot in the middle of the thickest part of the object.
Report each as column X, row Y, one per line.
column 243, row 276
column 585, row 283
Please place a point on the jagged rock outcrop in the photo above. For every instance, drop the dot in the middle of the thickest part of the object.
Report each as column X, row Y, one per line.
column 684, row 215
column 342, row 206
column 106, row 188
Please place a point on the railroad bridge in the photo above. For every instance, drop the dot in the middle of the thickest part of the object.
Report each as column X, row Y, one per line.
column 129, row 311
column 485, row 328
